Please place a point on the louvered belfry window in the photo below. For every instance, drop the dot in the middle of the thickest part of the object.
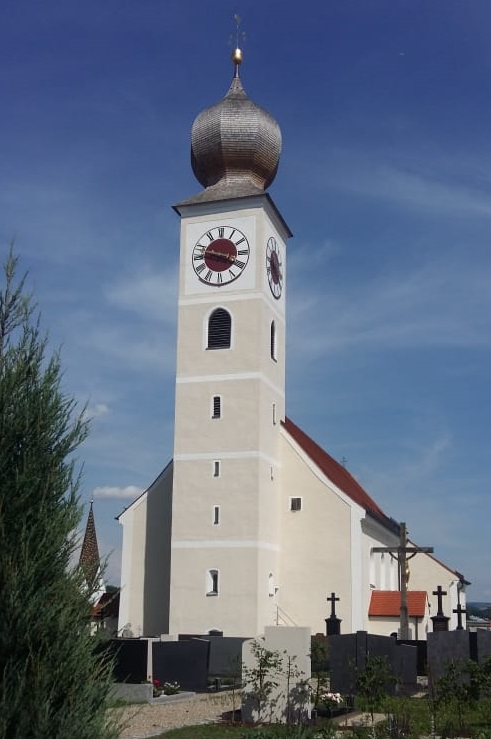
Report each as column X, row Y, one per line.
column 219, row 329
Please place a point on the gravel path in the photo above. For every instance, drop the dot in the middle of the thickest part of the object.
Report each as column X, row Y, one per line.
column 145, row 720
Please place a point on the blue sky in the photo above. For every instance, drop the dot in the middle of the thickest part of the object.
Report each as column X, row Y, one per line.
column 385, row 181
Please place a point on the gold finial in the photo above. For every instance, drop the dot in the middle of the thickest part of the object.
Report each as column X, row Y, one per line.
column 237, row 52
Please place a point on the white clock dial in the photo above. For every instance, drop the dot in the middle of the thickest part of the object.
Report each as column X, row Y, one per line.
column 220, row 255
column 274, row 267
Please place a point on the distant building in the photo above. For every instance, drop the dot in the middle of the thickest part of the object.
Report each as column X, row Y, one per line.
column 104, row 599
column 252, row 523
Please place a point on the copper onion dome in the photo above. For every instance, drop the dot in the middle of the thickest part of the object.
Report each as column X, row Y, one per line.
column 235, row 144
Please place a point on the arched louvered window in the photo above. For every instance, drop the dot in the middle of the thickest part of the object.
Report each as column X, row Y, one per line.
column 219, row 329
column 273, row 341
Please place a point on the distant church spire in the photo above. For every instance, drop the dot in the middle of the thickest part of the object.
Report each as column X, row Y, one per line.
column 89, row 554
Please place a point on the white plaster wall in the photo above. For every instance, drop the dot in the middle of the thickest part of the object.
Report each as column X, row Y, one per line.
column 316, row 546
column 145, row 571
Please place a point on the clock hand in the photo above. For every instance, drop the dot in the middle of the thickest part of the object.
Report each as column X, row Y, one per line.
column 227, row 257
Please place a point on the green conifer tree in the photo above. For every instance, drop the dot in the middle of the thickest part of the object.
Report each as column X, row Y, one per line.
column 54, row 678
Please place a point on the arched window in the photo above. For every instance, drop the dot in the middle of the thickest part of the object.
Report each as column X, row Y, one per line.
column 273, row 341
column 219, row 329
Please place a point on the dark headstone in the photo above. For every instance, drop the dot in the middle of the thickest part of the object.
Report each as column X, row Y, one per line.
column 333, row 626
column 226, row 656
column 444, row 648
column 184, row 662
column 348, row 655
column 440, row 623
column 130, row 660
column 483, row 639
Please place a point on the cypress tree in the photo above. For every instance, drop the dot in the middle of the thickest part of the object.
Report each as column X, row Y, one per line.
column 54, row 678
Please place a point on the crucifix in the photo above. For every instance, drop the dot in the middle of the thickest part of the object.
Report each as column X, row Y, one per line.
column 402, row 554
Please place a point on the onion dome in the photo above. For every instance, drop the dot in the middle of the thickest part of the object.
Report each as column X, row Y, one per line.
column 235, row 144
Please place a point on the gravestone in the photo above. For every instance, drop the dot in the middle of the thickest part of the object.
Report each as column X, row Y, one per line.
column 445, row 647
column 130, row 660
column 184, row 662
column 483, row 645
column 290, row 700
column 226, row 656
column 348, row 655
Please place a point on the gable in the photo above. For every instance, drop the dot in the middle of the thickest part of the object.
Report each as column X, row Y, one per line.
column 338, row 474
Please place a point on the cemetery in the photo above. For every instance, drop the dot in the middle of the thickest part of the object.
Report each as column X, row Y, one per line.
column 289, row 684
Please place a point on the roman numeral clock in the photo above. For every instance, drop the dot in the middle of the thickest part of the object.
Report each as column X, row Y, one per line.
column 220, row 255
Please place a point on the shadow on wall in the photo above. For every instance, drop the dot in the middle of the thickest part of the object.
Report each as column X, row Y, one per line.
column 156, row 592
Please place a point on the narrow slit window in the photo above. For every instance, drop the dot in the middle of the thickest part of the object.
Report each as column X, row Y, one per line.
column 274, row 414
column 219, row 329
column 295, row 504
column 217, row 407
column 212, row 582
column 273, row 341
column 216, row 468
column 216, row 515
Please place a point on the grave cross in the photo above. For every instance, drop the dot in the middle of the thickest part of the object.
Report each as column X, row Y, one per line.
column 402, row 554
column 439, row 592
column 332, row 600
column 459, row 611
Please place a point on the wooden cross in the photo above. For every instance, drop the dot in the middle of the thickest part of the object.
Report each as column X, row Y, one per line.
column 402, row 554
column 439, row 592
column 332, row 600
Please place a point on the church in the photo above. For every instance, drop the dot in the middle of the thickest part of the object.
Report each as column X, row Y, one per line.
column 252, row 523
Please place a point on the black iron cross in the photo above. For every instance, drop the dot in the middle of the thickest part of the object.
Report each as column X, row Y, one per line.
column 332, row 600
column 459, row 611
column 439, row 592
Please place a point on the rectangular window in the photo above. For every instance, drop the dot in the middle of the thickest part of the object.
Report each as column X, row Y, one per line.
column 274, row 414
column 216, row 515
column 212, row 582
column 217, row 406
column 216, row 468
column 295, row 504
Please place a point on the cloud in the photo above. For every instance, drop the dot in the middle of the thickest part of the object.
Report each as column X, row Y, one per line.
column 148, row 294
column 129, row 492
column 442, row 303
column 417, row 190
column 96, row 411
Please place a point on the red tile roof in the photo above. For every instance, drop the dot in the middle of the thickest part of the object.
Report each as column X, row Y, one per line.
column 337, row 473
column 388, row 603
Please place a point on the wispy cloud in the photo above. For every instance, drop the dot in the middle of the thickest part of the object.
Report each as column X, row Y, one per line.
column 129, row 492
column 441, row 303
column 98, row 410
column 148, row 294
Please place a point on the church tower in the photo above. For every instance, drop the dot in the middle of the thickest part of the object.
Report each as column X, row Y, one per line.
column 230, row 380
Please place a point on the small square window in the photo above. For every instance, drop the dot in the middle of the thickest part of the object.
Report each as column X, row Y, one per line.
column 295, row 504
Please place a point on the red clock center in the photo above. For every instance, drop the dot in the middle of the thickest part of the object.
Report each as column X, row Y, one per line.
column 275, row 268
column 220, row 255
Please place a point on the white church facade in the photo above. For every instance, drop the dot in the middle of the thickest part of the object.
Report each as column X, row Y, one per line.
column 251, row 524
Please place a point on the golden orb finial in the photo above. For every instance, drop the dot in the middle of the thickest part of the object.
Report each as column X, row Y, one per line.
column 237, row 52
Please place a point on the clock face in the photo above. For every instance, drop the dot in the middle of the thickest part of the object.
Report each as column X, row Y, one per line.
column 220, row 255
column 274, row 267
